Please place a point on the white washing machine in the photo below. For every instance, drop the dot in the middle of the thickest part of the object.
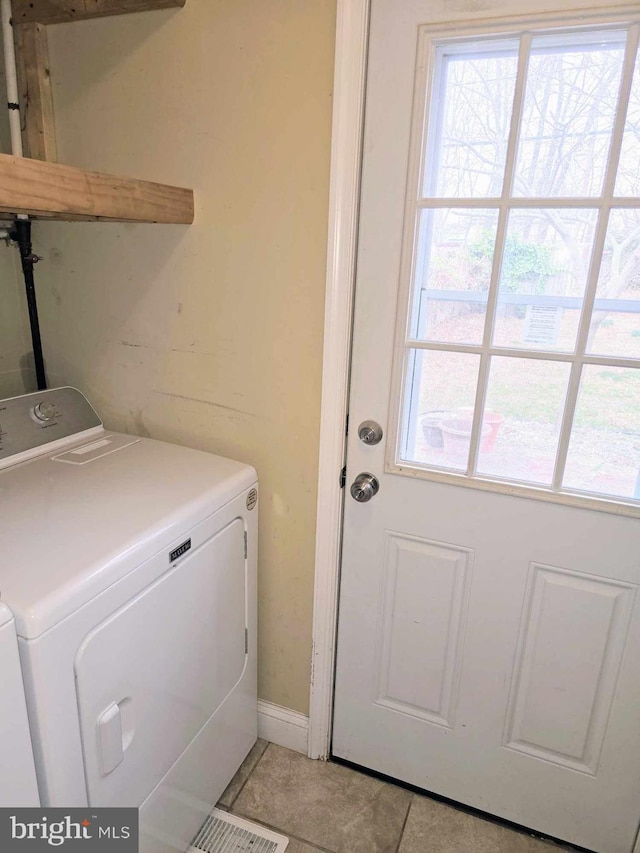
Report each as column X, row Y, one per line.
column 17, row 771
column 129, row 566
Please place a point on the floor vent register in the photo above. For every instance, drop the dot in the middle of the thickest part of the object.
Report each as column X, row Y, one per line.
column 225, row 833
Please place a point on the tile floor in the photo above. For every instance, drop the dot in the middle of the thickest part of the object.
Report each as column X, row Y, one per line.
column 326, row 807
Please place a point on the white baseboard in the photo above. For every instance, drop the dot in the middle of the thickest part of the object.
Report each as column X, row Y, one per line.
column 283, row 726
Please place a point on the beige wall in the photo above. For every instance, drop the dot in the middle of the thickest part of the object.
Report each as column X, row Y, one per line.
column 209, row 335
column 16, row 373
column 16, row 361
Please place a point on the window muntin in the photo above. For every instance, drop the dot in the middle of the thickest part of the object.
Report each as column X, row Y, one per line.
column 526, row 267
column 615, row 325
column 457, row 246
column 603, row 451
column 533, row 392
column 568, row 111
column 543, row 277
column 471, row 120
column 430, row 370
column 628, row 176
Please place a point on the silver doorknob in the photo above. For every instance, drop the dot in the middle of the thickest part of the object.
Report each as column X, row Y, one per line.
column 370, row 432
column 364, row 487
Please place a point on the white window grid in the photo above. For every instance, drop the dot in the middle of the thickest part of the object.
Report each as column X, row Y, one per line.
column 406, row 344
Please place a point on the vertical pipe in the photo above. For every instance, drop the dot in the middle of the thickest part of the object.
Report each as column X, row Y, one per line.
column 22, row 226
column 22, row 236
column 11, row 75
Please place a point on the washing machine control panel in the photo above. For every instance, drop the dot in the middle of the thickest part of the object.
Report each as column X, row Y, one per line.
column 45, row 411
column 36, row 420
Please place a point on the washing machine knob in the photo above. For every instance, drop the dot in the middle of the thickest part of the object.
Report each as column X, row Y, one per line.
column 44, row 411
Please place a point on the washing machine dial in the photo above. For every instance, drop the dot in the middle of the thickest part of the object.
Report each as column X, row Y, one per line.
column 44, row 411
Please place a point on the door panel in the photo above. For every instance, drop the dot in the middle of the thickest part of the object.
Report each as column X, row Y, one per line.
column 486, row 641
column 561, row 701
column 425, row 685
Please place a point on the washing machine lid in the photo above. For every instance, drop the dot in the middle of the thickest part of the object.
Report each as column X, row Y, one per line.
column 75, row 522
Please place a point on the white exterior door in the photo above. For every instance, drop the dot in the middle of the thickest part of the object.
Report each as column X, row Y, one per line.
column 489, row 628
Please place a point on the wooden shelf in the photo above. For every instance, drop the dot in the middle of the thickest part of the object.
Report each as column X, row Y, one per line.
column 61, row 11
column 52, row 191
column 36, row 185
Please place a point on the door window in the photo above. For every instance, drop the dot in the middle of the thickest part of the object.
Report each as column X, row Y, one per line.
column 521, row 330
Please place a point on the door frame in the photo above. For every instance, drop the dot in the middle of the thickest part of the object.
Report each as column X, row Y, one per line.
column 352, row 27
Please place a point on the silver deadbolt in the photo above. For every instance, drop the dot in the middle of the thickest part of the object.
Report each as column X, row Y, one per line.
column 370, row 432
column 364, row 487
